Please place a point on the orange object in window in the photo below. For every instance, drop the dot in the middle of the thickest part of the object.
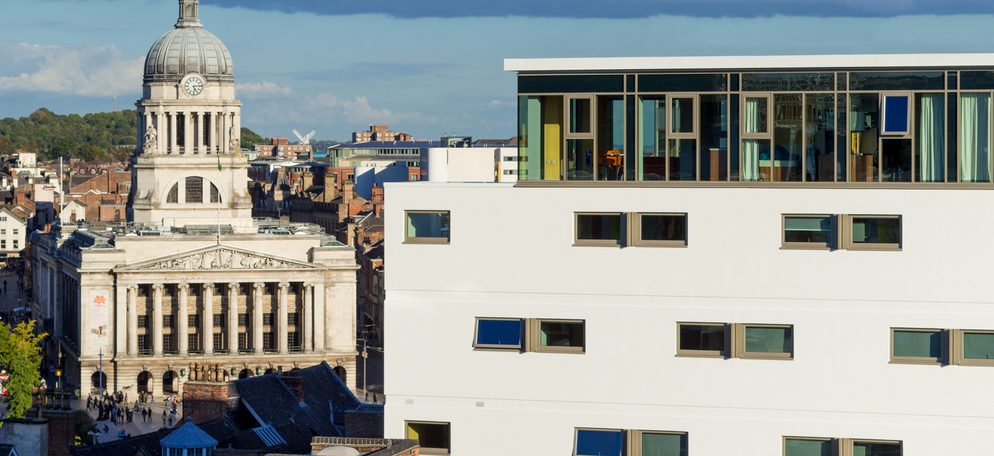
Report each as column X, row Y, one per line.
column 613, row 158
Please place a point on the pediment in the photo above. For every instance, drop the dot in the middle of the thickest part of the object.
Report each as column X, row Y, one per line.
column 217, row 258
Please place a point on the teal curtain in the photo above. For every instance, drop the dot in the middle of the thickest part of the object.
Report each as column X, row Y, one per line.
column 978, row 346
column 931, row 139
column 750, row 148
column 767, row 340
column 802, row 447
column 974, row 137
column 530, row 134
column 918, row 344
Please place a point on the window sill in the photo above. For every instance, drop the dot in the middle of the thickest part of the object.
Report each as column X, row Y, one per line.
column 873, row 248
column 427, row 241
column 614, row 244
column 701, row 354
column 496, row 349
column 816, row 247
column 768, row 356
column 917, row 361
column 561, row 350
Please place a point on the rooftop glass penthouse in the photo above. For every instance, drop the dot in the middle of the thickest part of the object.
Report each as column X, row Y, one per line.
column 799, row 119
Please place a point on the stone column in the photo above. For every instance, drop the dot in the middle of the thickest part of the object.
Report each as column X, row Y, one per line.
column 157, row 319
column 173, row 141
column 329, row 320
column 188, row 133
column 223, row 145
column 207, row 319
column 199, row 133
column 281, row 342
column 233, row 289
column 183, row 318
column 319, row 317
column 307, row 318
column 132, row 320
column 120, row 310
column 258, row 289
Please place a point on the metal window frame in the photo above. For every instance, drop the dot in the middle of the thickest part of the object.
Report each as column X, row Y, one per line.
column 724, row 353
column 739, row 349
column 576, row 438
column 622, row 231
column 832, row 244
column 431, row 450
column 408, row 239
column 635, row 224
column 942, row 359
column 533, row 327
column 496, row 347
column 848, row 244
column 958, row 348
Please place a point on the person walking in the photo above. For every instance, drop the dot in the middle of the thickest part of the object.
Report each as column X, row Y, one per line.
column 163, row 416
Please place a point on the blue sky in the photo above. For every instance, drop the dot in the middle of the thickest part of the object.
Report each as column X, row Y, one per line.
column 431, row 66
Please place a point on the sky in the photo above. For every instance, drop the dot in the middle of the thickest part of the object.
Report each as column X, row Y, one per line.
column 430, row 67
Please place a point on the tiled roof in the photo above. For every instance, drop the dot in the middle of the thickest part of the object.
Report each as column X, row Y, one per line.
column 189, row 436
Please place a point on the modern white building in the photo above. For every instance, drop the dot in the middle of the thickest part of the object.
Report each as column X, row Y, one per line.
column 708, row 256
column 469, row 164
column 192, row 281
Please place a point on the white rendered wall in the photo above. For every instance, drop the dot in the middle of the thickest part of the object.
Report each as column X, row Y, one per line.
column 511, row 255
column 461, row 164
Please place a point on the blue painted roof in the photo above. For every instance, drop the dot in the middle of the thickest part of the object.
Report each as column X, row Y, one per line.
column 188, row 436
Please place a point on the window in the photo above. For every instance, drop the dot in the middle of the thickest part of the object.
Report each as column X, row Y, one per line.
column 873, row 232
column 598, row 229
column 3, row 231
column 976, row 348
column 819, row 446
column 218, row 320
column 661, row 230
column 808, row 232
column 194, row 190
column 764, row 341
column 433, row 437
column 556, row 336
column 427, row 227
column 193, row 321
column 215, row 194
column 268, row 319
column 617, row 442
column 918, row 346
column 498, row 333
column 243, row 319
column 3, row 243
column 16, row 231
column 873, row 448
column 167, row 321
column 805, row 446
column 896, row 114
column 701, row 339
column 143, row 321
column 173, row 195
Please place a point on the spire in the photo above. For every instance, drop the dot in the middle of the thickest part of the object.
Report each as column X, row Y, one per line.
column 189, row 13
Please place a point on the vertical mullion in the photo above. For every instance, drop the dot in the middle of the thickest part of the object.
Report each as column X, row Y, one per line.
column 804, row 137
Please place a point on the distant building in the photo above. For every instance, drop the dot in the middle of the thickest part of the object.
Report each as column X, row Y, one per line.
column 469, row 164
column 380, row 133
column 281, row 148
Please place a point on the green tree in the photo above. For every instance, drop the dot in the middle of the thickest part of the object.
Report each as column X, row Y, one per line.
column 20, row 355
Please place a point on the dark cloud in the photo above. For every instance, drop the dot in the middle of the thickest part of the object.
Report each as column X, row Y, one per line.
column 616, row 8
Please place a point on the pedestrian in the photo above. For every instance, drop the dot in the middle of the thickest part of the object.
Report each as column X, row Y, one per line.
column 163, row 416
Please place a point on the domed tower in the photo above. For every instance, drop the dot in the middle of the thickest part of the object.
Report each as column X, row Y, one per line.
column 188, row 168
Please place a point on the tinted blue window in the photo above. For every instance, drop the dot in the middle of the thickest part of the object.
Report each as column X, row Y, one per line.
column 498, row 332
column 896, row 114
column 599, row 443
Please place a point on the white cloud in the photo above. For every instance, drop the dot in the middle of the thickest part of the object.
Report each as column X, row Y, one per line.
column 82, row 70
column 262, row 90
column 359, row 110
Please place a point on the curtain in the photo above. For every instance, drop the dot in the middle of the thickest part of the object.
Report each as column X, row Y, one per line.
column 750, row 148
column 931, row 138
column 974, row 137
column 530, row 142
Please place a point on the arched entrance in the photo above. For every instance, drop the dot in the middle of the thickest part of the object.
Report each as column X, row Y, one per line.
column 169, row 385
column 145, row 382
column 245, row 373
column 98, row 380
column 270, row 370
column 342, row 374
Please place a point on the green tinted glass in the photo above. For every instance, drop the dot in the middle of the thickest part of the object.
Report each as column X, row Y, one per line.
column 808, row 229
column 664, row 444
column 802, row 447
column 978, row 345
column 876, row 449
column 768, row 340
column 918, row 344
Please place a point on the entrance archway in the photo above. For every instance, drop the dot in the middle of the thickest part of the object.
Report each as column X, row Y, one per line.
column 98, row 380
column 342, row 373
column 145, row 382
column 245, row 373
column 270, row 370
column 169, row 383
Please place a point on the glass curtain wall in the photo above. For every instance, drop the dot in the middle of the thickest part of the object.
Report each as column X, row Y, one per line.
column 787, row 137
column 682, row 147
column 540, row 137
column 864, row 136
column 930, row 121
column 819, row 129
column 974, row 137
column 610, row 138
column 755, row 137
column 651, row 138
column 579, row 159
column 714, row 137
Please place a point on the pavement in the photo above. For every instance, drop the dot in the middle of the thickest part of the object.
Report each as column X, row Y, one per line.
column 136, row 427
column 374, row 392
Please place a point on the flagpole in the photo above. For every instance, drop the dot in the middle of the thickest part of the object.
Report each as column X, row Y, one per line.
column 220, row 176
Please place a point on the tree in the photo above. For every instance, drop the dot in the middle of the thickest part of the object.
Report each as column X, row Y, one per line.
column 20, row 355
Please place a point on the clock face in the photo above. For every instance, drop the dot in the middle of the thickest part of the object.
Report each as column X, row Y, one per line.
column 193, row 86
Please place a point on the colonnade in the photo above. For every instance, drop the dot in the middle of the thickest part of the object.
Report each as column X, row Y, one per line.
column 203, row 132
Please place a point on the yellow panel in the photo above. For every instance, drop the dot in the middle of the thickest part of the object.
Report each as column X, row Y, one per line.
column 411, row 433
column 552, row 120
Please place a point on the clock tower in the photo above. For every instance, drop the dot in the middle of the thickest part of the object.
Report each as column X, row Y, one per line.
column 188, row 169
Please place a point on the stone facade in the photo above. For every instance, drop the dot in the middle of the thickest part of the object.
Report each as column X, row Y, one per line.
column 191, row 277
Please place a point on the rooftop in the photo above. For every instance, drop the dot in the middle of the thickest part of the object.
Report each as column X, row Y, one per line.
column 746, row 62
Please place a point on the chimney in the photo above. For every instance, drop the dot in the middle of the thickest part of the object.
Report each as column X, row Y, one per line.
column 295, row 384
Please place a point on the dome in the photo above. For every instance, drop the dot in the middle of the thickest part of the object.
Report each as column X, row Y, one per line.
column 188, row 48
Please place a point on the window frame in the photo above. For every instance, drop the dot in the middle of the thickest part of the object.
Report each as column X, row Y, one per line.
column 768, row 134
column 910, row 96
column 430, row 450
column 958, row 345
column 576, row 438
column 724, row 353
column 408, row 239
column 491, row 347
column 636, row 230
column 832, row 441
column 622, row 231
column 568, row 118
column 633, row 440
column 739, row 334
column 533, row 328
column 832, row 243
column 846, row 445
column 694, row 125
column 938, row 361
column 848, row 244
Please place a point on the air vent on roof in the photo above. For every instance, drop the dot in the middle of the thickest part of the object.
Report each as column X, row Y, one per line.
column 269, row 436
